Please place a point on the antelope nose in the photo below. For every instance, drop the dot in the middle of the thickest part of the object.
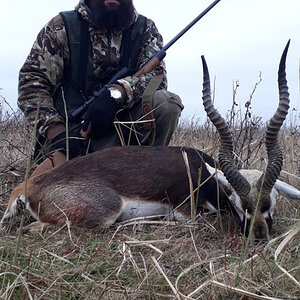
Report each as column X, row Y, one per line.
column 260, row 234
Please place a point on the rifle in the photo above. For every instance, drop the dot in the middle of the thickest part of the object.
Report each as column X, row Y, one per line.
column 146, row 68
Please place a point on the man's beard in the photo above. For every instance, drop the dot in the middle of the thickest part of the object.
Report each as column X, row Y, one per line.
column 120, row 18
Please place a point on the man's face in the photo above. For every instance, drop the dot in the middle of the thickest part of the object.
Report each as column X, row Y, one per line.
column 111, row 5
column 111, row 13
column 108, row 5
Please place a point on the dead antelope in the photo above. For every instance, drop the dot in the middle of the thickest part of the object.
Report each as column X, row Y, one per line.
column 122, row 183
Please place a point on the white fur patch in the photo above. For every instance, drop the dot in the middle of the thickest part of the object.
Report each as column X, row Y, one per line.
column 12, row 209
column 218, row 174
column 210, row 207
column 273, row 196
column 28, row 207
column 287, row 190
column 137, row 208
column 237, row 204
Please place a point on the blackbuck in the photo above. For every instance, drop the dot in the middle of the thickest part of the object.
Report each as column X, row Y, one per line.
column 123, row 183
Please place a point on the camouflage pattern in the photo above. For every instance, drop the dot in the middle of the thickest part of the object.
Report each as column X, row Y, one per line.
column 49, row 57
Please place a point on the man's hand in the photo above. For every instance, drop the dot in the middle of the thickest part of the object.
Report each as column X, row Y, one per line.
column 99, row 118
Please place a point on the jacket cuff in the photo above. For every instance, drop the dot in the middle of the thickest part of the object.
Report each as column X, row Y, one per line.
column 49, row 122
column 126, row 83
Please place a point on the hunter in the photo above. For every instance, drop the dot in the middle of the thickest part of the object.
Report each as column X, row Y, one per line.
column 76, row 54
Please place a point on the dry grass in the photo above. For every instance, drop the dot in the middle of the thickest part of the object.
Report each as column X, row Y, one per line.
column 155, row 259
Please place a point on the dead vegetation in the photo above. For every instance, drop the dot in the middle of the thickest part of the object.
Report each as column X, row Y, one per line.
column 205, row 259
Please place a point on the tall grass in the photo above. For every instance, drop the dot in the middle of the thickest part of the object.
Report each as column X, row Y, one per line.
column 155, row 259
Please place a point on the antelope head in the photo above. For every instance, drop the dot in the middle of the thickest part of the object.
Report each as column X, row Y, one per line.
column 253, row 192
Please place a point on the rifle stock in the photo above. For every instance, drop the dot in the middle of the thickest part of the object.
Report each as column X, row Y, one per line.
column 151, row 64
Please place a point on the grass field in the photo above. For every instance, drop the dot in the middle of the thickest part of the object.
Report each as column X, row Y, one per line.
column 205, row 259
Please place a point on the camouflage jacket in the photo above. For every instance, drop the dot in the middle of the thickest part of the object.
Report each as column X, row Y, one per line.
column 49, row 57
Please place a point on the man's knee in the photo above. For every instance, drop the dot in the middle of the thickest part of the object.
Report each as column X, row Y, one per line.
column 165, row 102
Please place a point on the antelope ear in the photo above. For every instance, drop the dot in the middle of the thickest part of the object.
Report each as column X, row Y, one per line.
column 287, row 190
column 218, row 174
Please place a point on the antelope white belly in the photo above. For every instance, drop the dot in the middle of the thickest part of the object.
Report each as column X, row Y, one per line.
column 137, row 208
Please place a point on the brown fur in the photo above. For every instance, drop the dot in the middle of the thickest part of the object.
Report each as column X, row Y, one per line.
column 88, row 190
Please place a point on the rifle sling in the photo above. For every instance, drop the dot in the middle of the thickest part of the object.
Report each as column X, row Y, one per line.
column 147, row 102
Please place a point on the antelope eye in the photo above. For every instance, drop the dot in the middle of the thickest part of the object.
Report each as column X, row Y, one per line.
column 265, row 208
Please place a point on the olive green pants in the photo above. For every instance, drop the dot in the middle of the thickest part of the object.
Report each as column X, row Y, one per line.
column 132, row 129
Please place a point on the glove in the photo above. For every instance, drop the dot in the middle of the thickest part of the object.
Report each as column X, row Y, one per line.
column 77, row 145
column 100, row 115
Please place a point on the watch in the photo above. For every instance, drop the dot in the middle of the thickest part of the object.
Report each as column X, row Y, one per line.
column 116, row 95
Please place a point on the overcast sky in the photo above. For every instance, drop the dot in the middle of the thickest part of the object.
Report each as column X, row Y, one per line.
column 239, row 38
